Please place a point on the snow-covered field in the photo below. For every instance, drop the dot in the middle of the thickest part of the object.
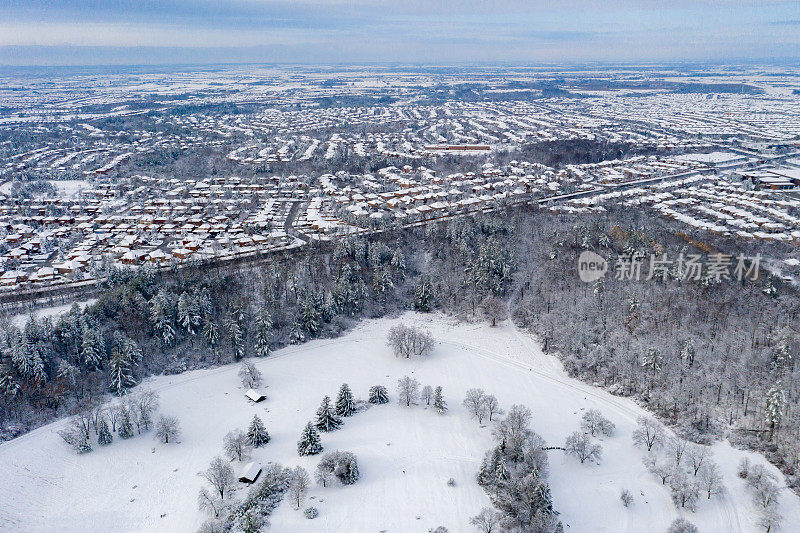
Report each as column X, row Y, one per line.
column 20, row 319
column 70, row 188
column 406, row 455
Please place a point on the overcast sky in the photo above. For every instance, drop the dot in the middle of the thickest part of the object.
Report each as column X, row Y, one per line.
column 336, row 31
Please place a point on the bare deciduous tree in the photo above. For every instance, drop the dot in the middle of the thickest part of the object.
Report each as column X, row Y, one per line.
column 475, row 403
column 209, row 502
column 493, row 407
column 167, row 429
column 697, row 456
column 235, row 444
column 649, row 433
column 594, row 422
column 494, row 309
column 299, row 483
column 220, row 476
column 710, row 479
column 406, row 341
column 427, row 394
column 407, row 391
column 250, row 375
column 684, row 489
column 676, row 447
column 487, row 521
column 662, row 469
column 581, row 446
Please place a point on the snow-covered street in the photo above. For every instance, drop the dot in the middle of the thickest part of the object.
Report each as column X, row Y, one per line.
column 405, row 455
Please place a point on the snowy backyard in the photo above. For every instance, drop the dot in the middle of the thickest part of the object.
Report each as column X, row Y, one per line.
column 406, row 454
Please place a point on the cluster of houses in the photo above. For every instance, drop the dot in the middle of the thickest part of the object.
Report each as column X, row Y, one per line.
column 777, row 179
column 156, row 221
column 615, row 171
column 411, row 194
column 718, row 204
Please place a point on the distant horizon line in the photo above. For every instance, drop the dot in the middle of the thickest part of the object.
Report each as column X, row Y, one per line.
column 426, row 64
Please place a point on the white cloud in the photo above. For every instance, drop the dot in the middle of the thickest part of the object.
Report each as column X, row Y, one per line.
column 145, row 35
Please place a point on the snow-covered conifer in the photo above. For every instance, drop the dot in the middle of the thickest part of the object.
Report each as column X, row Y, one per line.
column 104, row 436
column 378, row 394
column 345, row 404
column 91, row 348
column 776, row 405
column 257, row 435
column 309, row 443
column 326, row 416
column 263, row 333
column 439, row 402
column 125, row 424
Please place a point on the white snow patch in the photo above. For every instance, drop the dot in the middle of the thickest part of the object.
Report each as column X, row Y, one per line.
column 405, row 455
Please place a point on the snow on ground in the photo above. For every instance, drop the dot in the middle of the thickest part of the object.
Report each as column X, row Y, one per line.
column 405, row 455
column 70, row 188
column 53, row 312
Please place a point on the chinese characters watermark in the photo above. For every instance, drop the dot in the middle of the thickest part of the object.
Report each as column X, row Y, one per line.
column 683, row 267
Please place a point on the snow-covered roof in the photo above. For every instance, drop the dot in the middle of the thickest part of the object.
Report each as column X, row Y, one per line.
column 255, row 395
column 250, row 472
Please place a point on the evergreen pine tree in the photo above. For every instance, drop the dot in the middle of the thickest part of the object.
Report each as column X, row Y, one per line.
column 125, row 425
column 104, row 436
column 91, row 347
column 309, row 443
column 211, row 334
column 489, row 466
column 28, row 360
column 159, row 316
column 378, row 394
column 237, row 339
column 326, row 417
column 776, row 405
column 423, row 296
column 185, row 313
column 439, row 402
column 83, row 445
column 345, row 405
column 263, row 327
column 120, row 372
column 257, row 435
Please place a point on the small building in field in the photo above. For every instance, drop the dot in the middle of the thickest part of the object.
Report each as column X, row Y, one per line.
column 250, row 473
column 254, row 395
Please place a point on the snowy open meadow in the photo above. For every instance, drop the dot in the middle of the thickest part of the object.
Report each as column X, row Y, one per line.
column 406, row 455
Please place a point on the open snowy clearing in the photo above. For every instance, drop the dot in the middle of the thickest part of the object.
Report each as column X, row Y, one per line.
column 20, row 319
column 70, row 188
column 405, row 455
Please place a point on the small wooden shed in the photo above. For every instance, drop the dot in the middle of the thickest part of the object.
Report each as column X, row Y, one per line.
column 254, row 395
column 250, row 473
